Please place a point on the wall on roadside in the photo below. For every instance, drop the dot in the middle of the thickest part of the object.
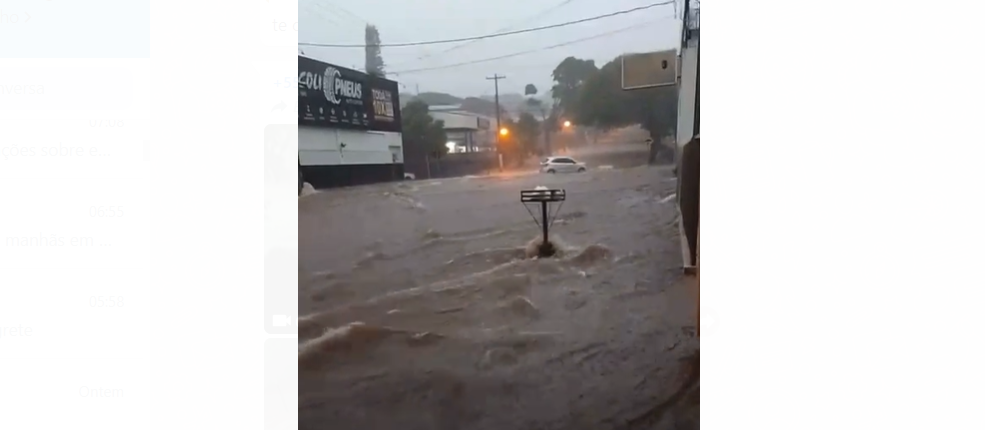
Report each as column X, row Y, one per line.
column 688, row 162
column 686, row 99
column 618, row 156
column 452, row 165
column 321, row 146
column 330, row 157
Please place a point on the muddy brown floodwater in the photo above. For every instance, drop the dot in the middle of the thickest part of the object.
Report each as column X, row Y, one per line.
column 421, row 309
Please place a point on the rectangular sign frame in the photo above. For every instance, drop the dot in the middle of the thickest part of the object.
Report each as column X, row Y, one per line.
column 338, row 97
column 664, row 69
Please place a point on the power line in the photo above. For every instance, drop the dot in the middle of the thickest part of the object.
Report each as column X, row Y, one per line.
column 311, row 8
column 516, row 54
column 345, row 11
column 507, row 28
column 489, row 36
column 513, row 26
column 532, row 51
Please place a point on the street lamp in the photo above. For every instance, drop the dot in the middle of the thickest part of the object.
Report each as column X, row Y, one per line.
column 567, row 124
column 504, row 131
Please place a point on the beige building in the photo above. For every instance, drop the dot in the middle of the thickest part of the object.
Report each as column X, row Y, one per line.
column 468, row 132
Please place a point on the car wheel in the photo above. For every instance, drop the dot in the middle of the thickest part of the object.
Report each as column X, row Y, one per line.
column 581, row 170
column 551, row 171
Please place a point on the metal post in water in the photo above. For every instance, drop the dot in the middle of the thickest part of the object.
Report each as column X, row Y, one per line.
column 543, row 211
column 545, row 197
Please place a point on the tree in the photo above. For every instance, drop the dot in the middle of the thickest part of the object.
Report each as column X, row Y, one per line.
column 536, row 105
column 603, row 103
column 527, row 132
column 569, row 76
column 552, row 121
column 421, row 130
column 533, row 104
column 374, row 54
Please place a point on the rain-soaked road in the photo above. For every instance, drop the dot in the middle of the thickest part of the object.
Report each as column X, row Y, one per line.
column 421, row 310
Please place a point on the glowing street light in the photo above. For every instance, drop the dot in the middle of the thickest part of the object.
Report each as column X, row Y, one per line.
column 567, row 124
column 504, row 131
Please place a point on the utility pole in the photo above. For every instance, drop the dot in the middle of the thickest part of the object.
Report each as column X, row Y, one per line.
column 689, row 17
column 697, row 93
column 685, row 22
column 688, row 189
column 495, row 78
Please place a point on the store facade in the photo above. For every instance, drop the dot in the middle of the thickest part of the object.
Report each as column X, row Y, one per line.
column 349, row 129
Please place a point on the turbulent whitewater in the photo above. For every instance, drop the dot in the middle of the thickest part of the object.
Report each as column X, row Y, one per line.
column 423, row 307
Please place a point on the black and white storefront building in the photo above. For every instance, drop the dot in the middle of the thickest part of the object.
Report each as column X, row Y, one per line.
column 348, row 126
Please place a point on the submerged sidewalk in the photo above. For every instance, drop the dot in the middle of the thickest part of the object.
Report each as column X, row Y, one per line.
column 506, row 174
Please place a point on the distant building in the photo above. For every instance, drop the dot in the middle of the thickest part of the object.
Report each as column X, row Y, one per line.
column 469, row 132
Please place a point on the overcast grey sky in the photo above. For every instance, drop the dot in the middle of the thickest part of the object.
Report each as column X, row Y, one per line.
column 343, row 22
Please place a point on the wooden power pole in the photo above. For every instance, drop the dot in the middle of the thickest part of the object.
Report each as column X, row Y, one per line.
column 495, row 78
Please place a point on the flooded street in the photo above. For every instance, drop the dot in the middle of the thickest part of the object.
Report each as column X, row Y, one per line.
column 422, row 309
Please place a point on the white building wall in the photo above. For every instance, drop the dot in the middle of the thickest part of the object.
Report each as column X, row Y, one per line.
column 457, row 120
column 685, row 125
column 319, row 146
column 483, row 127
column 685, row 107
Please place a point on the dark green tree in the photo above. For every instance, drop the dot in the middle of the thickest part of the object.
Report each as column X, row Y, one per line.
column 421, row 130
column 569, row 76
column 533, row 104
column 374, row 54
column 604, row 104
column 527, row 132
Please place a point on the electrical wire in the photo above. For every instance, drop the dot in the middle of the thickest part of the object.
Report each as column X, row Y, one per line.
column 516, row 54
column 513, row 26
column 507, row 28
column 489, row 36
column 345, row 11
column 316, row 9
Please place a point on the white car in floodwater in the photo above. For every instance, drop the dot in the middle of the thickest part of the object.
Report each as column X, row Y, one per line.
column 562, row 165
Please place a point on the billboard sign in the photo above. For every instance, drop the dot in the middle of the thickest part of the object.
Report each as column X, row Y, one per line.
column 650, row 69
column 337, row 97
